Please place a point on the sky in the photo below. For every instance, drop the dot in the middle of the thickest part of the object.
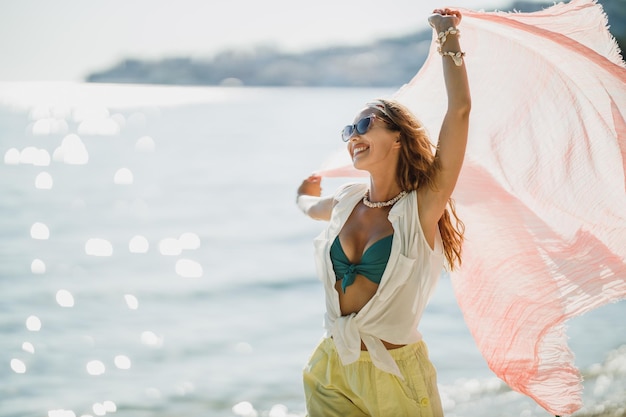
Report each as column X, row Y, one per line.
column 65, row 40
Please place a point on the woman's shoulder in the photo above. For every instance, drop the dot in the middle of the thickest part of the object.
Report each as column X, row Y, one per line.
column 349, row 189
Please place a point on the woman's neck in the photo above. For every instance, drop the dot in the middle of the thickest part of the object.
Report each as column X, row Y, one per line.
column 383, row 188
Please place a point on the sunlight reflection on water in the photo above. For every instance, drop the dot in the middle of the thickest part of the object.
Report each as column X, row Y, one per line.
column 188, row 268
column 49, row 126
column 39, row 231
column 131, row 301
column 33, row 323
column 65, row 298
column 149, row 338
column 44, row 181
column 95, row 367
column 38, row 267
column 189, row 241
column 122, row 362
column 30, row 155
column 28, row 347
column 170, row 247
column 62, row 413
column 102, row 199
column 72, row 151
column 18, row 366
column 123, row 176
column 98, row 247
column 138, row 244
column 145, row 144
column 12, row 156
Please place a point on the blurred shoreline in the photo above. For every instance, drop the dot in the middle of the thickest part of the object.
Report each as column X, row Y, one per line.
column 385, row 63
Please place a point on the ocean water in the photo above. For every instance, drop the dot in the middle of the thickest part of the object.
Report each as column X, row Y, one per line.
column 153, row 262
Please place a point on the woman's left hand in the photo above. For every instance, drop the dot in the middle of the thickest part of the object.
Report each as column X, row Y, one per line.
column 444, row 18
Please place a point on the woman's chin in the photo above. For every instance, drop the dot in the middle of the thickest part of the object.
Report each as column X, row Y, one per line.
column 360, row 165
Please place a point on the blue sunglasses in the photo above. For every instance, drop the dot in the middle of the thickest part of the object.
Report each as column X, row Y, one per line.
column 360, row 127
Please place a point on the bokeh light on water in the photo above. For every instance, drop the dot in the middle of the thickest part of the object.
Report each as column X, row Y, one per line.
column 39, row 231
column 12, row 157
column 123, row 176
column 18, row 366
column 246, row 409
column 122, row 362
column 95, row 367
column 72, row 151
column 149, row 338
column 129, row 247
column 138, row 244
column 189, row 241
column 28, row 347
column 66, row 139
column 131, row 301
column 38, row 266
column 65, row 298
column 44, row 181
column 98, row 247
column 33, row 323
column 170, row 247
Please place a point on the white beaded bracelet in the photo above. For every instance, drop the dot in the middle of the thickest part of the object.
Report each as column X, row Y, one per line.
column 442, row 37
column 457, row 57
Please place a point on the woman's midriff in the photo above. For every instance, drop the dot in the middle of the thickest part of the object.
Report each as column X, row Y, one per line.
column 356, row 297
column 388, row 345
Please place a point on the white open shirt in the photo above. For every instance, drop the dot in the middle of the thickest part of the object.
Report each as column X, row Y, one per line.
column 406, row 286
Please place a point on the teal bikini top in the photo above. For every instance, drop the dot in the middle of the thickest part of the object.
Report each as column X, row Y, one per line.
column 373, row 262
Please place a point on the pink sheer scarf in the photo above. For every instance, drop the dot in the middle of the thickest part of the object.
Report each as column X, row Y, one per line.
column 543, row 188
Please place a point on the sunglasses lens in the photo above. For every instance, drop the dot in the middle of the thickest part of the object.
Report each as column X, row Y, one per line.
column 363, row 125
column 347, row 132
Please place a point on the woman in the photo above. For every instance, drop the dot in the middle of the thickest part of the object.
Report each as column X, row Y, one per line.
column 384, row 249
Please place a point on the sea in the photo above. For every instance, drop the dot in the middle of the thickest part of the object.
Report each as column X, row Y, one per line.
column 153, row 261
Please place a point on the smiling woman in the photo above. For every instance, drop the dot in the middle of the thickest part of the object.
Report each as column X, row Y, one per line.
column 384, row 249
column 542, row 240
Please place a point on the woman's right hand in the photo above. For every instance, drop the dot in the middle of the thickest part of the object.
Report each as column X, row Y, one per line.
column 311, row 186
column 310, row 199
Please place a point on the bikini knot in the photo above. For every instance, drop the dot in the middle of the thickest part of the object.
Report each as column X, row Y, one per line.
column 348, row 277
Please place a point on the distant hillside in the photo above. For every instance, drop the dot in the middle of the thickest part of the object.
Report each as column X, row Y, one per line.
column 380, row 64
column 385, row 63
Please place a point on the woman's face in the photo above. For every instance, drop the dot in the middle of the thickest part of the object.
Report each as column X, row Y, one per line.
column 374, row 146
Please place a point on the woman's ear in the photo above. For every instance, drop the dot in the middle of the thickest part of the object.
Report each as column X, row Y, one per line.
column 397, row 143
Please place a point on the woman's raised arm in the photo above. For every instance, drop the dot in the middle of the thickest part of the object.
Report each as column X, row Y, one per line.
column 453, row 135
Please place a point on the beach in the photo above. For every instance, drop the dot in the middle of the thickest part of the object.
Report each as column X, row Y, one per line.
column 154, row 262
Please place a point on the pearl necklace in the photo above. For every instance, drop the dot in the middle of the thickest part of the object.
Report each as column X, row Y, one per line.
column 388, row 203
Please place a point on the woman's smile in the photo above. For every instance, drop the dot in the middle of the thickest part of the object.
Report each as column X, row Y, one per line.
column 358, row 149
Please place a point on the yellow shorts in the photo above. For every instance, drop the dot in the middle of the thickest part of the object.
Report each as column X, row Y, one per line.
column 361, row 389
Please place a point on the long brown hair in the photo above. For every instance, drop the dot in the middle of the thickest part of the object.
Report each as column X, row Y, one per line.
column 416, row 168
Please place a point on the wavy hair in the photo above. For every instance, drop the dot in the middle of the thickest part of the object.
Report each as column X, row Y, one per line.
column 416, row 168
